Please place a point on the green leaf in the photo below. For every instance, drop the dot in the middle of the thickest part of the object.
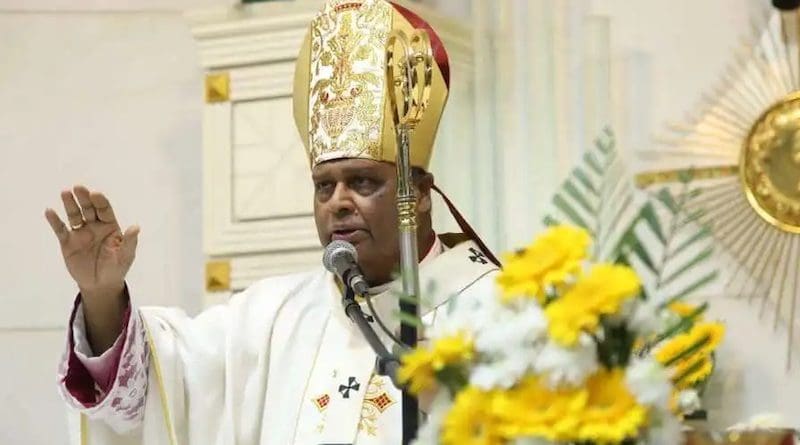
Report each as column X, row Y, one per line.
column 700, row 257
column 689, row 371
column 691, row 217
column 682, row 326
column 648, row 214
column 573, row 191
column 581, row 176
column 665, row 197
column 454, row 377
column 573, row 216
column 686, row 176
column 694, row 193
column 408, row 298
column 550, row 221
column 691, row 288
column 625, row 242
column 701, row 234
column 604, row 146
column 592, row 162
column 696, row 346
column 633, row 245
column 408, row 320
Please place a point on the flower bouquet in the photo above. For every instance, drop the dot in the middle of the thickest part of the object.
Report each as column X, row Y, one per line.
column 569, row 351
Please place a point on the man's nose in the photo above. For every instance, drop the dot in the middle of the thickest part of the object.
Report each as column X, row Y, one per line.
column 342, row 200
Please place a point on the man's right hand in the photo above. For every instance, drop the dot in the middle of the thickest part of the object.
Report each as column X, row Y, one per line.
column 98, row 255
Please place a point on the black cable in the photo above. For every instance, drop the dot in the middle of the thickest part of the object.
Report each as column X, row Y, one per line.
column 383, row 327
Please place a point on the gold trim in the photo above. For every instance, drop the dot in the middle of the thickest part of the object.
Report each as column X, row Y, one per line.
column 646, row 179
column 173, row 439
column 84, row 429
column 218, row 88
column 218, row 276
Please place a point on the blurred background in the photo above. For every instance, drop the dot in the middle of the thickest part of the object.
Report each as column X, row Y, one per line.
column 180, row 110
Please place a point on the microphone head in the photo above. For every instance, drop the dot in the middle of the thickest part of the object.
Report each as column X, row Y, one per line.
column 335, row 252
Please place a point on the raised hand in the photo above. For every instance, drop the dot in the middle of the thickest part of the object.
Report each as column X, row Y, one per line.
column 98, row 255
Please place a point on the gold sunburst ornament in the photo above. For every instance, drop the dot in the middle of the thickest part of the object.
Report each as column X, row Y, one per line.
column 770, row 165
column 744, row 146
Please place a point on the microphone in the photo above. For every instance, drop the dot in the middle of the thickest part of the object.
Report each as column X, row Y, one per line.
column 341, row 259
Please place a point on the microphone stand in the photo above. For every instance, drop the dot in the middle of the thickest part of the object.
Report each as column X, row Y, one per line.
column 386, row 363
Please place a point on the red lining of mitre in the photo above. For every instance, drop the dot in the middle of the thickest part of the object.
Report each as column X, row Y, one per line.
column 439, row 52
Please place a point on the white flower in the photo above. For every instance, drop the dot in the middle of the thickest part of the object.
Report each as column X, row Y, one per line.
column 623, row 313
column 567, row 366
column 506, row 330
column 664, row 429
column 649, row 382
column 429, row 433
column 761, row 421
column 508, row 340
column 503, row 371
column 688, row 401
column 646, row 319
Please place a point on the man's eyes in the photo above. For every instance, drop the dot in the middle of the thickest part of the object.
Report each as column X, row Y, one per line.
column 362, row 181
column 323, row 186
column 360, row 184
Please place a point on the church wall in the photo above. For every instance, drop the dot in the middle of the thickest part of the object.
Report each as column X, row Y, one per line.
column 113, row 101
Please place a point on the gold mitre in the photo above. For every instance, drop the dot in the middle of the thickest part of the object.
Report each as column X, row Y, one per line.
column 341, row 106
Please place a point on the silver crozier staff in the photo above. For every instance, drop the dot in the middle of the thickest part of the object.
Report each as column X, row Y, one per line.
column 409, row 71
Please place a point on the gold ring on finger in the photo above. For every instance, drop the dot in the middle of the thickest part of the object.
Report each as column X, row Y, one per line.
column 77, row 226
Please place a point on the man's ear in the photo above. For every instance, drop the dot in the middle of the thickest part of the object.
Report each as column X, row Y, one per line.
column 423, row 184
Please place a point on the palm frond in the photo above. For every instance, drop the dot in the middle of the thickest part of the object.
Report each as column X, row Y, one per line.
column 658, row 235
column 597, row 196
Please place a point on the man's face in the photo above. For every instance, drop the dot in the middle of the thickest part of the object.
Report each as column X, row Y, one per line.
column 354, row 201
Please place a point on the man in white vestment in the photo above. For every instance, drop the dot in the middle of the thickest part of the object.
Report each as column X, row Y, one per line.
column 280, row 363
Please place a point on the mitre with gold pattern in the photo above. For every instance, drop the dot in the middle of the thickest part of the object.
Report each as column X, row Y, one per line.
column 341, row 106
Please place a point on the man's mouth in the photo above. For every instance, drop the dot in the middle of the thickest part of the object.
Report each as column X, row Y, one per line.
column 352, row 236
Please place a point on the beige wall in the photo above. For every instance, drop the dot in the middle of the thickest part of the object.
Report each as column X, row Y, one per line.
column 112, row 100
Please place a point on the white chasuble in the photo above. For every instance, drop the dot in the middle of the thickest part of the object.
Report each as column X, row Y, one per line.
column 281, row 364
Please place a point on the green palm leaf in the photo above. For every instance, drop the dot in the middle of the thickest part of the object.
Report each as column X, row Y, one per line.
column 655, row 234
column 597, row 196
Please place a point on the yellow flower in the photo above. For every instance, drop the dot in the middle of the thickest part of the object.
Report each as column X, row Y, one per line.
column 713, row 331
column 419, row 367
column 550, row 260
column 601, row 292
column 710, row 333
column 684, row 309
column 612, row 413
column 533, row 409
column 688, row 373
column 452, row 349
column 470, row 420
column 672, row 348
column 695, row 367
column 566, row 321
column 417, row 370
